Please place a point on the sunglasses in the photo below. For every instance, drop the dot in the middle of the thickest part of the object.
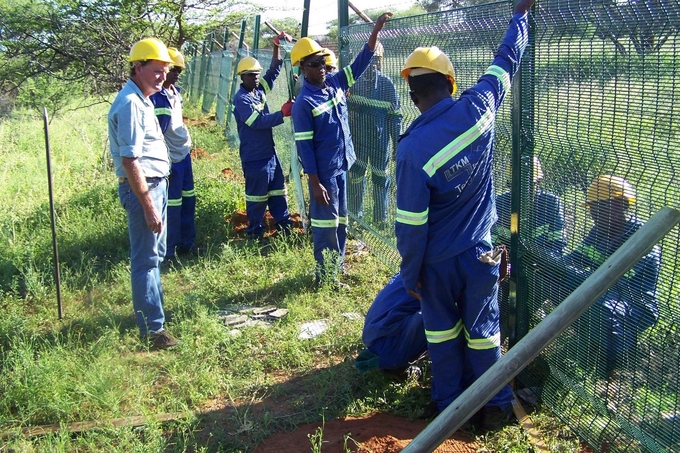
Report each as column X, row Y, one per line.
column 176, row 70
column 316, row 63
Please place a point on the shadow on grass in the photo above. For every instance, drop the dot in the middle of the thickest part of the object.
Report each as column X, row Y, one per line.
column 321, row 395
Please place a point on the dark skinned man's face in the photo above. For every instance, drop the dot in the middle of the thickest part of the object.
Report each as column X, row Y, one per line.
column 250, row 81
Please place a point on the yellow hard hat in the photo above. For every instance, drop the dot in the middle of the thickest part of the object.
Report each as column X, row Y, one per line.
column 177, row 57
column 248, row 65
column 608, row 187
column 426, row 60
column 304, row 48
column 150, row 49
column 330, row 57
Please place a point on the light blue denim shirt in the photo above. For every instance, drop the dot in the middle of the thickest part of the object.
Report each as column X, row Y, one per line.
column 134, row 132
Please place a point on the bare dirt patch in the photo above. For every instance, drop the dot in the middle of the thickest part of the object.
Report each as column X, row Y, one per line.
column 239, row 223
column 229, row 174
column 199, row 153
column 377, row 433
column 208, row 121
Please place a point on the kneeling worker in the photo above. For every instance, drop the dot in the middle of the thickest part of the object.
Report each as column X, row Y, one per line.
column 394, row 334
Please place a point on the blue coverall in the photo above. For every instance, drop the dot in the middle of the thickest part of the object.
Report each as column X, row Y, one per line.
column 547, row 222
column 265, row 184
column 445, row 211
column 546, row 233
column 324, row 144
column 181, row 195
column 393, row 329
column 631, row 306
column 374, row 118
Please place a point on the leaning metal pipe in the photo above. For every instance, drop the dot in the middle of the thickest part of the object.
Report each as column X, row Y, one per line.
column 520, row 355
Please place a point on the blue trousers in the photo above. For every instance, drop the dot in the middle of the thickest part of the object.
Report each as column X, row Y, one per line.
column 181, row 207
column 462, row 324
column 400, row 350
column 611, row 326
column 329, row 226
column 265, row 187
column 147, row 250
column 377, row 157
column 393, row 328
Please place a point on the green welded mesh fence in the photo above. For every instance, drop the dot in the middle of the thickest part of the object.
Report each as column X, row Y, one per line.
column 603, row 94
column 597, row 95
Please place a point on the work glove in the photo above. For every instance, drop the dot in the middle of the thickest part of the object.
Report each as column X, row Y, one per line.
column 287, row 108
column 283, row 35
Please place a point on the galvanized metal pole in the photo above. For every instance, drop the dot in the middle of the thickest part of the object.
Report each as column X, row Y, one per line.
column 256, row 35
column 205, row 76
column 201, row 70
column 55, row 249
column 231, row 137
column 519, row 356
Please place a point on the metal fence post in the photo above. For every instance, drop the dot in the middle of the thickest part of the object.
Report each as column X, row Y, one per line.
column 231, row 138
column 256, row 35
column 305, row 20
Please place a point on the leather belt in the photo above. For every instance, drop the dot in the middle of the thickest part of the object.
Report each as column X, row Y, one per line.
column 155, row 179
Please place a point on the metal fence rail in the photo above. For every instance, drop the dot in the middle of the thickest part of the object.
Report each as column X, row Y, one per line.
column 598, row 94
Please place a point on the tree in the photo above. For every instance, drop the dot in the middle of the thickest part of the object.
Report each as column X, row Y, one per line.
column 648, row 24
column 441, row 5
column 86, row 42
column 373, row 14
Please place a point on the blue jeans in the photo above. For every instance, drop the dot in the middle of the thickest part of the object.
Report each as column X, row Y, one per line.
column 147, row 250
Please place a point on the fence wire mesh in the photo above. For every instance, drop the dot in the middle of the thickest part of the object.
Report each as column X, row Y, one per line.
column 597, row 95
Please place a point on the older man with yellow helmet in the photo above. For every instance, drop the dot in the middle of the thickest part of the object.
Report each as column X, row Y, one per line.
column 445, row 211
column 142, row 166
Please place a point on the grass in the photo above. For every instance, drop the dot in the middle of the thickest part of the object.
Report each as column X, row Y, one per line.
column 90, row 366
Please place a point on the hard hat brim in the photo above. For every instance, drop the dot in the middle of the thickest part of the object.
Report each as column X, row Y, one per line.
column 316, row 54
column 162, row 60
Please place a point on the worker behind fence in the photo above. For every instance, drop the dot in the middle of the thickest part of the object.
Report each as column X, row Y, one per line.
column 324, row 144
column 612, row 325
column 181, row 225
column 375, row 121
column 142, row 166
column 546, row 229
column 265, row 184
column 543, row 234
column 445, row 211
column 393, row 333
